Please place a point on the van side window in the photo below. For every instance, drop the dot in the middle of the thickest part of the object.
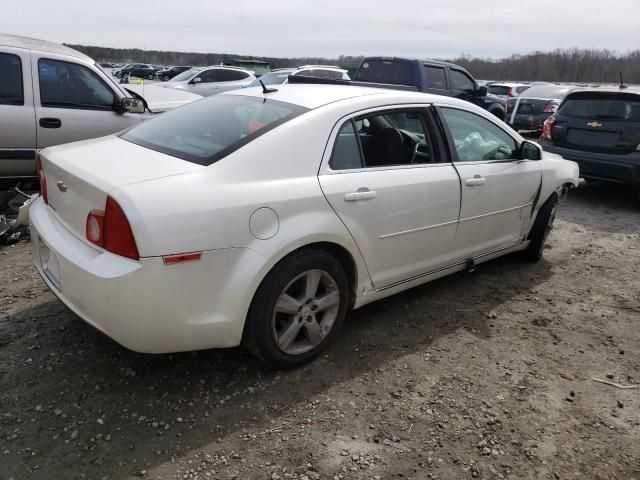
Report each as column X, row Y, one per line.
column 69, row 85
column 11, row 90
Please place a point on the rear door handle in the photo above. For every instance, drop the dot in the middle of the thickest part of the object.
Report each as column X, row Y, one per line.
column 48, row 122
column 476, row 181
column 362, row 194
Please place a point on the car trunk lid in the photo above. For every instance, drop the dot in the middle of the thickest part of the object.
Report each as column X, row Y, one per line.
column 80, row 176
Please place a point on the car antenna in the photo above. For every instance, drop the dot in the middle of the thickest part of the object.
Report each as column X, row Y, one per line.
column 265, row 89
column 622, row 85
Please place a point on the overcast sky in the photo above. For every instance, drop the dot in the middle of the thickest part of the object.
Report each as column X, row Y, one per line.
column 328, row 28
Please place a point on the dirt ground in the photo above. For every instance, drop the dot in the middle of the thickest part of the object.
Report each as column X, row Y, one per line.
column 482, row 375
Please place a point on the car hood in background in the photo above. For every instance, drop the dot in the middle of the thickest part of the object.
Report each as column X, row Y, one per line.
column 160, row 99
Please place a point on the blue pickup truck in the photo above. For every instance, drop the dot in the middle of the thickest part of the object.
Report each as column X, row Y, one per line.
column 429, row 76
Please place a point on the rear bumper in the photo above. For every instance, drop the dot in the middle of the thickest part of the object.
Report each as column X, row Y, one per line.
column 145, row 305
column 601, row 166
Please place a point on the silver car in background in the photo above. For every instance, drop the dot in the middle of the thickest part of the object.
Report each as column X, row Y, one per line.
column 280, row 76
column 207, row 81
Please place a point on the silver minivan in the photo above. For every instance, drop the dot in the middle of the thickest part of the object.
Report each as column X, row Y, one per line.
column 207, row 81
column 51, row 94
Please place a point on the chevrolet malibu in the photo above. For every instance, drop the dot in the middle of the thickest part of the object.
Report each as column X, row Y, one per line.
column 260, row 217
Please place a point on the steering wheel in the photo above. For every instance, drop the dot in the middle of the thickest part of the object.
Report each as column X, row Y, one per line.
column 411, row 143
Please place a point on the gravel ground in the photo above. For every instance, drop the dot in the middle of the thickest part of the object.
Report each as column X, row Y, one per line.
column 483, row 375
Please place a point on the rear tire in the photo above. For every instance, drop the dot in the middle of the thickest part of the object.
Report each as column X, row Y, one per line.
column 541, row 228
column 297, row 310
column 150, row 76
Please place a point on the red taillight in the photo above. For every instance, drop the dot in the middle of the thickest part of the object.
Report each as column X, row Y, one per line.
column 547, row 128
column 111, row 230
column 43, row 179
column 551, row 107
column 510, row 92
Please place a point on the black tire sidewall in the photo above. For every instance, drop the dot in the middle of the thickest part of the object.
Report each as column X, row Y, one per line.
column 539, row 230
column 258, row 336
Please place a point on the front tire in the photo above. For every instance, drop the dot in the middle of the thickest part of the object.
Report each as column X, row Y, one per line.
column 541, row 228
column 150, row 76
column 297, row 309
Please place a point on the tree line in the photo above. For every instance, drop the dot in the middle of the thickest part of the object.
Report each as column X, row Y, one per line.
column 560, row 65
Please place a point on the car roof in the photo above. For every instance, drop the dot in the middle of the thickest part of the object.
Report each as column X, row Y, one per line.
column 408, row 59
column 634, row 89
column 547, row 91
column 18, row 41
column 508, row 84
column 313, row 96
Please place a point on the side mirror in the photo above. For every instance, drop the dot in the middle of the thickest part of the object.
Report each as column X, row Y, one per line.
column 529, row 151
column 482, row 91
column 196, row 80
column 132, row 105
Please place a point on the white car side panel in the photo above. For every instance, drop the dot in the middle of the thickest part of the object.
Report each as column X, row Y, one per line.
column 410, row 224
column 495, row 214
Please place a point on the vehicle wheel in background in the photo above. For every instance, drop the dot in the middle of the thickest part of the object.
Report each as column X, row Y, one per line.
column 165, row 78
column 297, row 309
column 541, row 228
column 498, row 113
column 150, row 76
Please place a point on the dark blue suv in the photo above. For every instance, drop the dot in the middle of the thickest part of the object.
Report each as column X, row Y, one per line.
column 599, row 129
column 429, row 76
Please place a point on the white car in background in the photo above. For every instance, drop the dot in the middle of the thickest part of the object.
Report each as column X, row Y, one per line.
column 207, row 81
column 280, row 76
column 507, row 90
column 262, row 218
column 51, row 94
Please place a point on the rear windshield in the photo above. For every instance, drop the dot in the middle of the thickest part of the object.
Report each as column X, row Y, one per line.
column 385, row 71
column 207, row 130
column 602, row 106
column 499, row 90
column 186, row 75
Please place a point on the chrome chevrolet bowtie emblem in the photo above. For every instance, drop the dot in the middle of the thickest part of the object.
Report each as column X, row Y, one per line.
column 594, row 124
column 61, row 186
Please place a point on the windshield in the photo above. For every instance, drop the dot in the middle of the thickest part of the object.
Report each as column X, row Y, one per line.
column 602, row 106
column 205, row 131
column 499, row 90
column 185, row 75
column 273, row 78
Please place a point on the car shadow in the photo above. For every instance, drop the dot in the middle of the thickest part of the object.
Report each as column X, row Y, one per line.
column 603, row 207
column 98, row 407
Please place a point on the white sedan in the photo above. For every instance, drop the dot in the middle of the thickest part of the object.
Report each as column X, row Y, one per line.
column 261, row 218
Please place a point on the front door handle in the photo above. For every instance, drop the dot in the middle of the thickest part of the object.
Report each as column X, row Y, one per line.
column 476, row 181
column 50, row 122
column 361, row 194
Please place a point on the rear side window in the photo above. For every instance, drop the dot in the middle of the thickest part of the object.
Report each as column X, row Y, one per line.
column 11, row 90
column 435, row 78
column 231, row 75
column 320, row 73
column 205, row 131
column 602, row 106
column 69, row 85
column 385, row 71
column 381, row 140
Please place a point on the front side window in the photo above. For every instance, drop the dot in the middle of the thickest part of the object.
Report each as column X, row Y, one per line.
column 11, row 90
column 461, row 82
column 476, row 138
column 69, row 85
column 436, row 78
column 383, row 139
column 209, row 76
column 205, row 131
